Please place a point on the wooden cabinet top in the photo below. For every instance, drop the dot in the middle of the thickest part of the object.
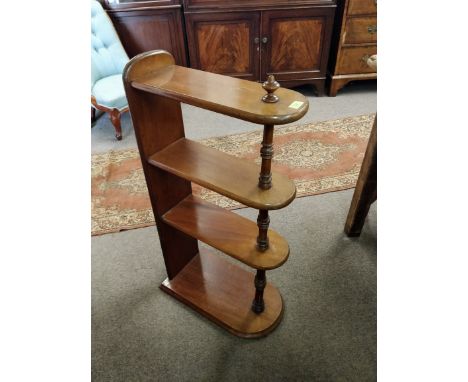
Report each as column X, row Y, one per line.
column 226, row 95
column 201, row 4
column 123, row 5
column 210, row 4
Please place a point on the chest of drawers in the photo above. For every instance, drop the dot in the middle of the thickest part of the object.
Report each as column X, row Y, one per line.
column 355, row 41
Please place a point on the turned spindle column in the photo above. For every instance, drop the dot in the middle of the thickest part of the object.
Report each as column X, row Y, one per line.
column 263, row 221
column 264, row 182
column 266, row 152
column 258, row 305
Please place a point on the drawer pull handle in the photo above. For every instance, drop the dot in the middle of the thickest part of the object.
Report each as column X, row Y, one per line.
column 265, row 40
column 372, row 29
column 370, row 60
column 256, row 40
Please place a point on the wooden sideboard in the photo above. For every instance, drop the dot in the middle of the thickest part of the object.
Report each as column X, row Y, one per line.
column 249, row 39
column 253, row 39
column 354, row 41
column 147, row 25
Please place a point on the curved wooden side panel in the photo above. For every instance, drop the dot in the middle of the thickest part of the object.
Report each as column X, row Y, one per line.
column 146, row 63
column 158, row 122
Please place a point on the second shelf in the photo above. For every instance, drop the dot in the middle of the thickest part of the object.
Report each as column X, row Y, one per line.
column 227, row 232
column 225, row 174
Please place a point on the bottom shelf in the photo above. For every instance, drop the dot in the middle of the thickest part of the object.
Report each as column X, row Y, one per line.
column 223, row 292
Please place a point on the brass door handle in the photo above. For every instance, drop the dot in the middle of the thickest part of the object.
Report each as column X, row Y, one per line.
column 372, row 29
column 265, row 40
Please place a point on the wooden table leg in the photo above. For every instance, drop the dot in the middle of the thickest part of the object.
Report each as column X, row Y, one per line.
column 366, row 188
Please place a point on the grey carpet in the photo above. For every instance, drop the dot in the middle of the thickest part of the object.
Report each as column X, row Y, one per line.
column 328, row 332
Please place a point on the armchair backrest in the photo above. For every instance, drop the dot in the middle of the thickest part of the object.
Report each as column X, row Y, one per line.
column 108, row 56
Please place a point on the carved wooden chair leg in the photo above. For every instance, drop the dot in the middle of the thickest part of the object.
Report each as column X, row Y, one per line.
column 115, row 119
column 366, row 188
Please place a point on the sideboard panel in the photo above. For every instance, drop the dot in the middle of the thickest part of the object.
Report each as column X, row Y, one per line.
column 149, row 29
column 224, row 43
column 298, row 43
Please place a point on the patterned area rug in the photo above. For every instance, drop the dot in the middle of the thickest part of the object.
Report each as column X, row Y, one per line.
column 320, row 157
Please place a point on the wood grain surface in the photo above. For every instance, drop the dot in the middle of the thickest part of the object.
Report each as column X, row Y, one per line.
column 225, row 174
column 223, row 292
column 157, row 122
column 229, row 41
column 227, row 232
column 362, row 7
column 224, row 43
column 296, row 44
column 361, row 30
column 354, row 59
column 229, row 4
column 226, row 95
column 355, row 40
column 142, row 30
column 365, row 192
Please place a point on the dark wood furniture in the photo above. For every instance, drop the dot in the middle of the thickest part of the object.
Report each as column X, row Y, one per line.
column 354, row 41
column 148, row 25
column 247, row 39
column 205, row 281
column 253, row 39
column 366, row 188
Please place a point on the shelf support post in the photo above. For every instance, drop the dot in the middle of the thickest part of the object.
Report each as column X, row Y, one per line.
column 263, row 221
column 258, row 304
column 266, row 152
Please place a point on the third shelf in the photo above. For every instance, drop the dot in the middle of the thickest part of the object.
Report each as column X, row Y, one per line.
column 227, row 232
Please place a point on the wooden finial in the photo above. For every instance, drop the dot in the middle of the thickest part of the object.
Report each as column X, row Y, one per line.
column 270, row 85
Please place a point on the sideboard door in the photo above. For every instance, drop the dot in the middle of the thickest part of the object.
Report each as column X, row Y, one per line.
column 141, row 30
column 296, row 43
column 225, row 43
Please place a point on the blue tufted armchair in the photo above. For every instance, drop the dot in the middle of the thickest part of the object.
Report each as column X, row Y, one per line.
column 108, row 59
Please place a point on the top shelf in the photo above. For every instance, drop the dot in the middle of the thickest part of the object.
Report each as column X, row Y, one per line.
column 226, row 95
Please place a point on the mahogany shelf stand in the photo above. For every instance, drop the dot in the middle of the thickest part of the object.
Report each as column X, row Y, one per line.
column 234, row 298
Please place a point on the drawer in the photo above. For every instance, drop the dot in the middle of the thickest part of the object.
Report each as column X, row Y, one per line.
column 360, row 30
column 353, row 60
column 362, row 7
